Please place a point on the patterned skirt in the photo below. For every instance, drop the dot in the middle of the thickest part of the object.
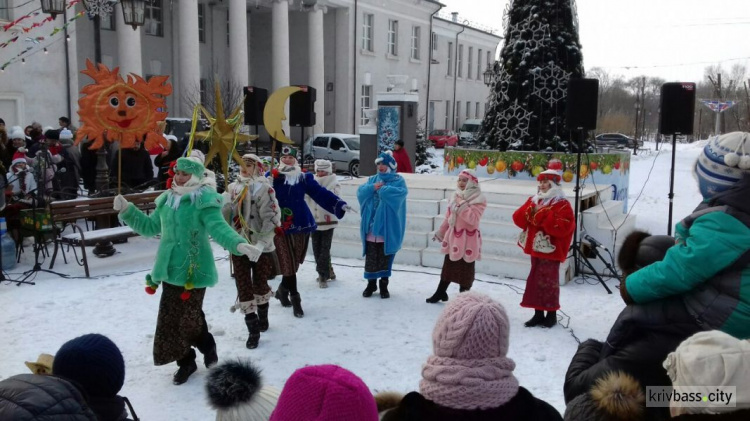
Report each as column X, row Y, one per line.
column 291, row 250
column 377, row 263
column 179, row 325
column 543, row 285
column 460, row 272
column 251, row 279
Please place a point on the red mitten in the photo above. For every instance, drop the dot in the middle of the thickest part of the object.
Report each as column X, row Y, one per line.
column 274, row 173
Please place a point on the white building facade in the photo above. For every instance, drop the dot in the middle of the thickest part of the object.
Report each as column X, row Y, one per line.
column 343, row 48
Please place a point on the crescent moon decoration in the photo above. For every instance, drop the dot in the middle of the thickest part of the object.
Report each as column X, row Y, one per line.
column 273, row 114
column 113, row 109
column 224, row 133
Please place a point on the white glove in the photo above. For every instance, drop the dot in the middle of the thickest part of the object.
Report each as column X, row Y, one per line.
column 348, row 208
column 120, row 203
column 249, row 250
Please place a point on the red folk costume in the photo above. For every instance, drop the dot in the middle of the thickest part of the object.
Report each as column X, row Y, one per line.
column 548, row 223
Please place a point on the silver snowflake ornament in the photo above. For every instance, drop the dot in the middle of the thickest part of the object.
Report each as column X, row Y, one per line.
column 548, row 83
column 513, row 123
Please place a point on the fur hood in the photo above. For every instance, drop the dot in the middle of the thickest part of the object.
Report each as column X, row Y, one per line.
column 616, row 396
column 641, row 249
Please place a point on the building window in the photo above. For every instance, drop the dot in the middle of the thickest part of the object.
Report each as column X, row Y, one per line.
column 4, row 12
column 434, row 41
column 470, row 60
column 476, row 111
column 201, row 22
column 107, row 22
column 447, row 114
column 393, row 37
column 227, row 27
column 365, row 103
column 416, row 35
column 202, row 85
column 154, row 18
column 367, row 28
column 458, row 114
column 450, row 61
column 480, row 69
column 489, row 58
column 460, row 60
column 468, row 110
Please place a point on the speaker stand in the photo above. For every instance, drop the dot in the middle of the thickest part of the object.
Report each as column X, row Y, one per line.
column 671, row 184
column 575, row 247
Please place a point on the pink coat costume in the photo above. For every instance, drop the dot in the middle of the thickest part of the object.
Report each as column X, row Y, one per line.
column 459, row 234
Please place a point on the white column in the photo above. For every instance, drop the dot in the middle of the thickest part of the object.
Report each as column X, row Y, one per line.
column 317, row 76
column 238, row 59
column 189, row 62
column 128, row 46
column 280, row 52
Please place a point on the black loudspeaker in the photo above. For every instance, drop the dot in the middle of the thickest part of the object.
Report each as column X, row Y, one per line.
column 583, row 103
column 302, row 107
column 677, row 108
column 255, row 102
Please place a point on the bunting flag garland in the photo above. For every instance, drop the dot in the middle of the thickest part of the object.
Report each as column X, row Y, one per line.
column 32, row 14
column 36, row 40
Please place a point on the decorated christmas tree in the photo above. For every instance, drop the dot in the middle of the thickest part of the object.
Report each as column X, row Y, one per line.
column 540, row 54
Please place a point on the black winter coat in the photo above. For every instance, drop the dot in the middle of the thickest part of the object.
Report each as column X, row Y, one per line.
column 109, row 409
column 137, row 168
column 523, row 406
column 741, row 415
column 42, row 398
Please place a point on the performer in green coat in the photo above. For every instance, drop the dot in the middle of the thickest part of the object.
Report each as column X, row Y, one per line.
column 185, row 216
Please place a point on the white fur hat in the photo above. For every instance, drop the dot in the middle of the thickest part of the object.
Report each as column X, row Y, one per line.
column 323, row 165
column 196, row 153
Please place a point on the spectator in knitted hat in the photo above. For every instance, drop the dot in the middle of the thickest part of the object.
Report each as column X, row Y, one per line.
column 94, row 363
column 705, row 362
column 469, row 375
column 235, row 390
column 325, row 393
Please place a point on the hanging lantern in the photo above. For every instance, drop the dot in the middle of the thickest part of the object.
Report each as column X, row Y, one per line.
column 488, row 75
column 134, row 12
column 53, row 7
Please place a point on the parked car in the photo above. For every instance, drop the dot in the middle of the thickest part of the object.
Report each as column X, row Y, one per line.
column 443, row 138
column 468, row 131
column 339, row 148
column 614, row 140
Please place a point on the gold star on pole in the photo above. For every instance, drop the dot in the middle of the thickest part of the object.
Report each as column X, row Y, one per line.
column 223, row 134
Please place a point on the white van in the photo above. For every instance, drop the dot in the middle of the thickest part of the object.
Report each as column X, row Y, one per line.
column 468, row 131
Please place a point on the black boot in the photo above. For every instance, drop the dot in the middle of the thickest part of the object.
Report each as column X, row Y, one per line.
column 253, row 327
column 550, row 320
column 440, row 294
column 207, row 346
column 464, row 289
column 186, row 366
column 263, row 317
column 372, row 286
column 536, row 320
column 282, row 294
column 297, row 305
column 384, row 288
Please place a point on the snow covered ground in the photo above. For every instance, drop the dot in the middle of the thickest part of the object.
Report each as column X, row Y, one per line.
column 385, row 342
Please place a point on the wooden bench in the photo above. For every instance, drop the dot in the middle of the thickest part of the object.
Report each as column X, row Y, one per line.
column 68, row 212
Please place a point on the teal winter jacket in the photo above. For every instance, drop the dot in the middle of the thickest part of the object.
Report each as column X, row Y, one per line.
column 184, row 252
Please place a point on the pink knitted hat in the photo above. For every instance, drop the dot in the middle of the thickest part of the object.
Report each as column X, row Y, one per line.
column 325, row 393
column 469, row 369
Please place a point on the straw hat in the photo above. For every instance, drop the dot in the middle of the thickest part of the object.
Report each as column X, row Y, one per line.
column 43, row 364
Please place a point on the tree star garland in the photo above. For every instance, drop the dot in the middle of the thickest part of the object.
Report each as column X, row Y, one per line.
column 513, row 123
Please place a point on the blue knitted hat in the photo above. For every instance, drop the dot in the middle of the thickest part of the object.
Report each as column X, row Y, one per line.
column 94, row 362
column 386, row 158
column 723, row 162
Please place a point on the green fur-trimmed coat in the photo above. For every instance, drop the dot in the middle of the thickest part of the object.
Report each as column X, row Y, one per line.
column 184, row 250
